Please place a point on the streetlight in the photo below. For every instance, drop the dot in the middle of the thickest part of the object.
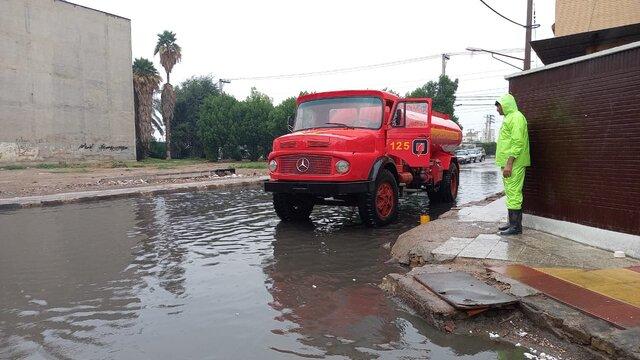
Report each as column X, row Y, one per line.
column 494, row 53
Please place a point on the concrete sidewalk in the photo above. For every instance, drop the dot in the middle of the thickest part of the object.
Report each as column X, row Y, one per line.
column 465, row 240
column 82, row 196
column 602, row 239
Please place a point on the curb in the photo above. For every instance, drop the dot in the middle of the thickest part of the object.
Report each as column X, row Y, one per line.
column 579, row 328
column 111, row 194
column 595, row 337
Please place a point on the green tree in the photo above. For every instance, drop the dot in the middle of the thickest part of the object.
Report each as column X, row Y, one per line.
column 279, row 116
column 190, row 96
column 217, row 126
column 170, row 54
column 253, row 127
column 145, row 81
column 443, row 93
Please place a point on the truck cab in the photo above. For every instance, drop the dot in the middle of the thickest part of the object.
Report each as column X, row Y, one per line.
column 362, row 148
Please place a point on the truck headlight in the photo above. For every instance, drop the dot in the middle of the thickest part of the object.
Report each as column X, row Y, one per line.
column 273, row 165
column 342, row 166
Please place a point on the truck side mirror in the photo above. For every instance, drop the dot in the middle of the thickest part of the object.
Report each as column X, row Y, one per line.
column 290, row 122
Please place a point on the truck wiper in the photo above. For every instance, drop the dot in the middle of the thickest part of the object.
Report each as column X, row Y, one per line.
column 340, row 124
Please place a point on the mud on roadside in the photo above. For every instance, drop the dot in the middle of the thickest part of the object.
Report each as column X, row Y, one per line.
column 35, row 181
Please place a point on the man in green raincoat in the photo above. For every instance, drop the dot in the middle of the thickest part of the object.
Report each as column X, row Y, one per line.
column 512, row 155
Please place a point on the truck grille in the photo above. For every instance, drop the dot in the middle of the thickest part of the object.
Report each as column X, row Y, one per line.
column 318, row 164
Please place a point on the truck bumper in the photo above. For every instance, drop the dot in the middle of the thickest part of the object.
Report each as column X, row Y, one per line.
column 319, row 188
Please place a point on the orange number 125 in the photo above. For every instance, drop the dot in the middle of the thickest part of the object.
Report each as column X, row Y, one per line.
column 399, row 145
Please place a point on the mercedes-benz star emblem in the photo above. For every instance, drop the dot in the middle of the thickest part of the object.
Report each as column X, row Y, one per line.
column 302, row 165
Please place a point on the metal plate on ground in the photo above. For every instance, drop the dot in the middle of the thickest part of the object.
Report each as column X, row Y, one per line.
column 463, row 291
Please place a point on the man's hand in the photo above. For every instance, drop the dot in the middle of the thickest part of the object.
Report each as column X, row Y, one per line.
column 506, row 172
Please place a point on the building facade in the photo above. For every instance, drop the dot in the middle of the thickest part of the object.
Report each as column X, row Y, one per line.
column 66, row 91
column 580, row 16
column 584, row 129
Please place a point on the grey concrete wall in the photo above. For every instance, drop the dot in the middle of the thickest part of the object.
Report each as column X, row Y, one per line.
column 66, row 90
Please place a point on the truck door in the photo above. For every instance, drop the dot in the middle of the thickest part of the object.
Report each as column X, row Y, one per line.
column 409, row 133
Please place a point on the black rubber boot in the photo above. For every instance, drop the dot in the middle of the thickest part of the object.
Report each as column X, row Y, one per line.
column 509, row 221
column 518, row 218
column 515, row 227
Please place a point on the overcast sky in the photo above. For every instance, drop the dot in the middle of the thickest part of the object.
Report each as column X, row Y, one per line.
column 249, row 38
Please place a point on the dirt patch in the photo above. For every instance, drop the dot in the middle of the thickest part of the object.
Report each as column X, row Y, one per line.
column 55, row 180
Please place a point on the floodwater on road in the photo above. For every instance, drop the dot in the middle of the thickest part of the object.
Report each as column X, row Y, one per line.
column 214, row 275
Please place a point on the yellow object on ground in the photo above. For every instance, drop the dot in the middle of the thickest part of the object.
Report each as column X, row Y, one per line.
column 424, row 219
column 619, row 284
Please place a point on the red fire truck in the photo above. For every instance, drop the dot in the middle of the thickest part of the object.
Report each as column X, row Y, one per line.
column 362, row 148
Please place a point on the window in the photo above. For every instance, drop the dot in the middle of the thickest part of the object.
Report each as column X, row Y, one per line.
column 411, row 115
column 350, row 112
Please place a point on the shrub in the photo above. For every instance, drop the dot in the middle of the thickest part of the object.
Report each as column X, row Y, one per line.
column 158, row 150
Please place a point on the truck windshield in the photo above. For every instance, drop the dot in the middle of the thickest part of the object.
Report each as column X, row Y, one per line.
column 350, row 112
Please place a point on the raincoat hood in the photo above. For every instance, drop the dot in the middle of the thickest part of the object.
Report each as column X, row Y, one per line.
column 508, row 103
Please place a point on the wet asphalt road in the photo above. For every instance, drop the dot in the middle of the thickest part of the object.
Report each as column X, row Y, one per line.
column 213, row 275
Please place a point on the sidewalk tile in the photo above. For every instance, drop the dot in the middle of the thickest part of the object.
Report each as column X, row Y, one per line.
column 504, row 250
column 480, row 247
column 619, row 284
column 452, row 247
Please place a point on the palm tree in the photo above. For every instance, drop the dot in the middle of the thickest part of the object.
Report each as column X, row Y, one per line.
column 170, row 54
column 145, row 81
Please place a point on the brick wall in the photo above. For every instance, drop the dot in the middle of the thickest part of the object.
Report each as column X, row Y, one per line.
column 584, row 127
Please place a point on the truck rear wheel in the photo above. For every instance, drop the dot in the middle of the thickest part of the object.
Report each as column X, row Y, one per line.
column 380, row 207
column 448, row 191
column 290, row 207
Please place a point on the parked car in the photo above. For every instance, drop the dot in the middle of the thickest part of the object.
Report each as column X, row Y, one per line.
column 463, row 156
column 473, row 156
column 477, row 154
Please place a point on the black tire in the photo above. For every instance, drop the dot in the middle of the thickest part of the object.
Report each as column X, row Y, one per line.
column 368, row 205
column 291, row 207
column 448, row 190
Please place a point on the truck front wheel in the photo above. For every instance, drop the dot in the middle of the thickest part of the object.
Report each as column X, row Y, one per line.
column 380, row 207
column 292, row 208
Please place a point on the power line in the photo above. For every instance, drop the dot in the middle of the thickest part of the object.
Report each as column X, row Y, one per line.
column 340, row 70
column 492, row 90
column 535, row 26
column 360, row 68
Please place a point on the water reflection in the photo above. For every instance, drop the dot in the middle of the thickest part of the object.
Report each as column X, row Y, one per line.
column 63, row 275
column 160, row 253
column 324, row 286
column 209, row 275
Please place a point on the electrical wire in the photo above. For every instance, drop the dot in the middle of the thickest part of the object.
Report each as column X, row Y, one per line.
column 363, row 67
column 534, row 26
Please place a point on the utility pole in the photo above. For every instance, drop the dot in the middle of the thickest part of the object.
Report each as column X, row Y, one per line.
column 445, row 57
column 489, row 119
column 527, row 44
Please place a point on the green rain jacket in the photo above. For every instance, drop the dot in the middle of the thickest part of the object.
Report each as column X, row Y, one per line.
column 513, row 139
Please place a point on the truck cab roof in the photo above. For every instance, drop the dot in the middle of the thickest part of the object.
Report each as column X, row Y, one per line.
column 347, row 93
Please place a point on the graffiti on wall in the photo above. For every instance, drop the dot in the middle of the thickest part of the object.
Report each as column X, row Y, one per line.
column 103, row 147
